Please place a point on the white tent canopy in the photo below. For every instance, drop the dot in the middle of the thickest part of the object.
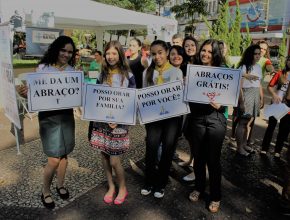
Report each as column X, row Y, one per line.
column 89, row 15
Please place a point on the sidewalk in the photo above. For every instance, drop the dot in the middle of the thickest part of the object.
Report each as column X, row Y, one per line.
column 250, row 186
column 8, row 139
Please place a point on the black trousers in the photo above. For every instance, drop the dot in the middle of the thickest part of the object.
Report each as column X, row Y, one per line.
column 164, row 131
column 269, row 133
column 207, row 136
column 284, row 129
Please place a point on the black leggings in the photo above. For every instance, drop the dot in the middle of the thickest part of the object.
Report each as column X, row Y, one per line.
column 164, row 131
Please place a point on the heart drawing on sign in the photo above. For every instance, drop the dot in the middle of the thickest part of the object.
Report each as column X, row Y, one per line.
column 211, row 95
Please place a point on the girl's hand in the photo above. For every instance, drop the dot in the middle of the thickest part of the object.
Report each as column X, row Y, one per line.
column 22, row 90
column 112, row 125
column 276, row 99
column 215, row 105
column 251, row 77
column 261, row 103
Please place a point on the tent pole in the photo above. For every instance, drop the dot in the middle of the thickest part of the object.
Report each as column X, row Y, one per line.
column 17, row 140
column 99, row 39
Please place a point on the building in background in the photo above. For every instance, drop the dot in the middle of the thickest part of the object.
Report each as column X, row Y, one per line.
column 267, row 19
column 201, row 28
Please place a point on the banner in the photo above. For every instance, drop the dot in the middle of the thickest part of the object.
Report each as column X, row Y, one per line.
column 206, row 84
column 160, row 102
column 39, row 39
column 7, row 77
column 109, row 104
column 54, row 90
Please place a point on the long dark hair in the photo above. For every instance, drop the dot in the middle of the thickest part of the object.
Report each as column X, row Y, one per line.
column 217, row 57
column 181, row 52
column 248, row 57
column 150, row 69
column 122, row 64
column 50, row 57
column 267, row 54
column 191, row 59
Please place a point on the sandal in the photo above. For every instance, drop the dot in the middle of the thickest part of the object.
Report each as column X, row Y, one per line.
column 62, row 195
column 194, row 196
column 214, row 206
column 49, row 205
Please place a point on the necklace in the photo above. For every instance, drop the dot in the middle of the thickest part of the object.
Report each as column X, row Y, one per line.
column 59, row 67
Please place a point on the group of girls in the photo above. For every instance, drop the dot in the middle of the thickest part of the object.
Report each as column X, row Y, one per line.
column 205, row 129
column 206, row 124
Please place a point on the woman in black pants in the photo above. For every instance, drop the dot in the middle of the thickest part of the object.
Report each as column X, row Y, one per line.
column 164, row 131
column 207, row 125
column 280, row 79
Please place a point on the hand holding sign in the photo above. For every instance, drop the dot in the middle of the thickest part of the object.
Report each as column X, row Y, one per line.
column 205, row 84
column 50, row 91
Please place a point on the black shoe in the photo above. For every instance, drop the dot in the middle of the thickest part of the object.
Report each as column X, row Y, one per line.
column 175, row 156
column 49, row 205
column 146, row 190
column 243, row 154
column 62, row 195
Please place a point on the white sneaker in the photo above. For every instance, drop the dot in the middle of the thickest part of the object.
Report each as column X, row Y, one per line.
column 277, row 155
column 263, row 152
column 146, row 190
column 159, row 194
column 189, row 177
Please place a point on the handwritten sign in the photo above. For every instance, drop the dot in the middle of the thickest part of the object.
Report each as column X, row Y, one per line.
column 54, row 90
column 212, row 84
column 160, row 102
column 110, row 104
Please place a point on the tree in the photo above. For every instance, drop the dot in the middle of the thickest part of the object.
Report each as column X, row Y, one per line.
column 122, row 4
column 137, row 5
column 282, row 51
column 247, row 40
column 235, row 34
column 189, row 9
column 144, row 5
column 219, row 29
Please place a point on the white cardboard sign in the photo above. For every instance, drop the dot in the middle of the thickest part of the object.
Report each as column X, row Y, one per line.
column 7, row 83
column 109, row 104
column 160, row 102
column 54, row 90
column 206, row 84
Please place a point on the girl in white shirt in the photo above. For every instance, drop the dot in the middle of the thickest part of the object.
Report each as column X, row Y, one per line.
column 251, row 97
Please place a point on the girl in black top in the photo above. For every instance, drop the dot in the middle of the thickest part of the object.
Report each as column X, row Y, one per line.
column 136, row 62
column 207, row 125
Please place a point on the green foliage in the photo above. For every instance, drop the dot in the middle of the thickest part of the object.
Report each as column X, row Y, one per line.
column 235, row 34
column 228, row 29
column 220, row 28
column 247, row 39
column 79, row 38
column 136, row 5
column 282, row 51
column 19, row 63
column 144, row 5
column 188, row 9
column 119, row 3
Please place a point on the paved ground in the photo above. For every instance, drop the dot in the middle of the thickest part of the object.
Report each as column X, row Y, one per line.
column 251, row 186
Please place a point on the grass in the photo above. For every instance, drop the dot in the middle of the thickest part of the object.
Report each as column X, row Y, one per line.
column 18, row 63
